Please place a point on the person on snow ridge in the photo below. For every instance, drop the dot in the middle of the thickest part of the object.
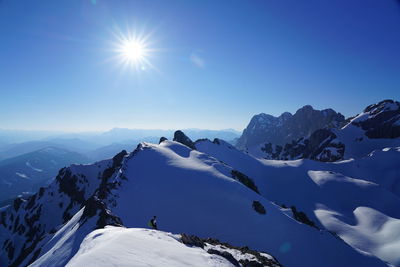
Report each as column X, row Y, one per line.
column 153, row 223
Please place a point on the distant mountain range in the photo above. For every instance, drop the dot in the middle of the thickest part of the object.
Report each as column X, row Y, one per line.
column 83, row 142
column 25, row 173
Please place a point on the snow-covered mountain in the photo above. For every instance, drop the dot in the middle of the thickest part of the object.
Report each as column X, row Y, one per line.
column 357, row 200
column 377, row 127
column 287, row 127
column 27, row 172
column 213, row 191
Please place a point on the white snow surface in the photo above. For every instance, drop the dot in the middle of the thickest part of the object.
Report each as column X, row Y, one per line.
column 118, row 246
column 356, row 199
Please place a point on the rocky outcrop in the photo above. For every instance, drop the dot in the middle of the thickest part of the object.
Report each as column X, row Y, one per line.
column 95, row 207
column 321, row 146
column 244, row 179
column 377, row 121
column 264, row 128
column 381, row 120
column 162, row 139
column 257, row 206
column 247, row 256
column 180, row 137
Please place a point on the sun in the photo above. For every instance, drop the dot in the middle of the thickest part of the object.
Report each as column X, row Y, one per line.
column 133, row 51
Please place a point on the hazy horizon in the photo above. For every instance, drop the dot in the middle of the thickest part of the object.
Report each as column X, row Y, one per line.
column 114, row 128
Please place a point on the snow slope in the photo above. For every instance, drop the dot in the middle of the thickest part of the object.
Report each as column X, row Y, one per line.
column 119, row 246
column 356, row 199
column 201, row 198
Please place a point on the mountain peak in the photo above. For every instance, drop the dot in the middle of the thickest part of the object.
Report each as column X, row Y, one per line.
column 182, row 138
column 305, row 108
column 287, row 127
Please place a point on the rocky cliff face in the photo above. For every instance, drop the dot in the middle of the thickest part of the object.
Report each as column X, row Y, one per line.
column 381, row 120
column 264, row 128
column 377, row 127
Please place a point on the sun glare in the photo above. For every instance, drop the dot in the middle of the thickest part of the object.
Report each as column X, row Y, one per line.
column 133, row 50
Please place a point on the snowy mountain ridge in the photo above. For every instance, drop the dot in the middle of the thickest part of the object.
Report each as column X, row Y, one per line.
column 377, row 127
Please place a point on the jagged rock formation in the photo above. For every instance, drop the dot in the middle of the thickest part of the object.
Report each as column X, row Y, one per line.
column 162, row 139
column 247, row 257
column 378, row 126
column 381, row 120
column 319, row 146
column 264, row 128
column 180, row 137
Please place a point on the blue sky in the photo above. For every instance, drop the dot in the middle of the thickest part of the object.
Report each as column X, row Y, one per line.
column 215, row 63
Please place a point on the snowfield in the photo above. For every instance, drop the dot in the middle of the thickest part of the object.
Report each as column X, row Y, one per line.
column 356, row 199
column 117, row 246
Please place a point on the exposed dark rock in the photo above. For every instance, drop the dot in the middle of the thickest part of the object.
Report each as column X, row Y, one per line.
column 94, row 206
column 17, row 203
column 244, row 179
column 302, row 217
column 264, row 128
column 3, row 216
column 9, row 249
column 180, row 137
column 257, row 206
column 228, row 256
column 68, row 185
column 318, row 146
column 31, row 202
column 104, row 185
column 201, row 140
column 216, row 141
column 26, row 250
column 117, row 159
column 383, row 121
column 248, row 263
column 162, row 139
column 192, row 240
column 41, row 192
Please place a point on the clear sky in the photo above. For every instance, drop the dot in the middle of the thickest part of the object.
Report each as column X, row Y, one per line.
column 214, row 64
